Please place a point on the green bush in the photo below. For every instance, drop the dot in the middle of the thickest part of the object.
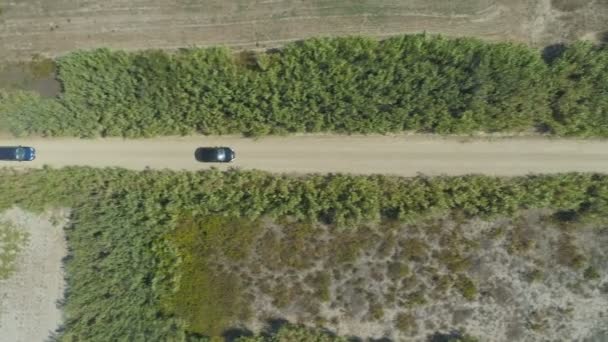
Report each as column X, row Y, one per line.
column 519, row 241
column 205, row 298
column 535, row 275
column 591, row 273
column 580, row 79
column 416, row 298
column 406, row 322
column 397, row 270
column 12, row 242
column 414, row 250
column 292, row 333
column 24, row 113
column 466, row 287
column 347, row 85
column 456, row 336
column 320, row 282
column 376, row 311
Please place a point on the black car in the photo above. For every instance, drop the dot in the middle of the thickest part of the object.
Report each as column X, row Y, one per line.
column 17, row 153
column 214, row 154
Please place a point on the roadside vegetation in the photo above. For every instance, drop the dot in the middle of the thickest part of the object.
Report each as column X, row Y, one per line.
column 12, row 242
column 345, row 85
column 161, row 255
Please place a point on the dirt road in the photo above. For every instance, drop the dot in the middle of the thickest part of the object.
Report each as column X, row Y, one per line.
column 398, row 154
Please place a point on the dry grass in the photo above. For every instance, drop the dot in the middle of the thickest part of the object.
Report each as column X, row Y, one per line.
column 53, row 28
column 366, row 292
column 360, row 284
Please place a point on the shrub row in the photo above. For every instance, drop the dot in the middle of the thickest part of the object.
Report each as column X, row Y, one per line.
column 335, row 198
column 347, row 85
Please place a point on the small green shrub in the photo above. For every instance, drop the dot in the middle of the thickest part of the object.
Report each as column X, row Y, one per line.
column 232, row 238
column 518, row 241
column 497, row 232
column 466, row 338
column 416, row 298
column 284, row 294
column 347, row 246
column 414, row 249
column 320, row 282
column 568, row 253
column 387, row 246
column 591, row 273
column 534, row 276
column 537, row 321
column 442, row 285
column 12, row 242
column 453, row 337
column 406, row 322
column 466, row 287
column 297, row 248
column 453, row 260
column 294, row 333
column 398, row 270
column 376, row 311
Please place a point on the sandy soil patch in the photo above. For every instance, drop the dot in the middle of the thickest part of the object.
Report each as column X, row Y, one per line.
column 28, row 300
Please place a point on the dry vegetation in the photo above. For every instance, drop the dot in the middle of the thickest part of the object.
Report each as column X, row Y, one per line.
column 496, row 279
column 54, row 27
column 12, row 241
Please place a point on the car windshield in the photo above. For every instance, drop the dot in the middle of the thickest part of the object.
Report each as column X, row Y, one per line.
column 20, row 153
column 221, row 154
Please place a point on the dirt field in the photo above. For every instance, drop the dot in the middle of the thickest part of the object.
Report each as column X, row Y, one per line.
column 54, row 27
column 28, row 300
column 399, row 154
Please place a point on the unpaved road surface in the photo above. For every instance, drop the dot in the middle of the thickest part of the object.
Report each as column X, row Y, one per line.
column 398, row 154
column 55, row 27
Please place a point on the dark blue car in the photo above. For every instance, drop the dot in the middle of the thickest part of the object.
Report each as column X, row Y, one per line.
column 17, row 153
column 214, row 154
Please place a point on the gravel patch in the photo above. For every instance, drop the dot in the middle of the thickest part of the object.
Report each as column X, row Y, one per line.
column 29, row 298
